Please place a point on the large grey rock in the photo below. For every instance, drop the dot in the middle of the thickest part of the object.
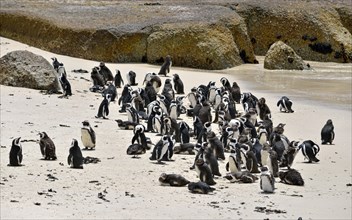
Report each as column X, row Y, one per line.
column 281, row 56
column 26, row 69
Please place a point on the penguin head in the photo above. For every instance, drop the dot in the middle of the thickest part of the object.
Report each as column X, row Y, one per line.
column 147, row 78
column 139, row 128
column 85, row 123
column 264, row 169
column 166, row 139
column 162, row 177
column 108, row 97
column 176, row 76
column 211, row 135
column 43, row 135
column 101, row 64
column 54, row 59
column 74, row 143
column 205, row 145
column 225, row 82
column 128, row 105
column 17, row 142
column 199, row 162
column 329, row 122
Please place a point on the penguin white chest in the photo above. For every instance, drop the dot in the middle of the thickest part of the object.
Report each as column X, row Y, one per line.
column 86, row 139
column 267, row 184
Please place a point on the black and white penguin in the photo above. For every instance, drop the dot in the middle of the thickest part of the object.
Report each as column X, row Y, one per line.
column 197, row 127
column 262, row 135
column 291, row 177
column 103, row 110
column 310, row 150
column 248, row 100
column 168, row 92
column 171, row 128
column 285, row 104
column 200, row 187
column 150, row 93
column 290, row 154
column 75, row 158
column 126, row 97
column 236, row 92
column 88, row 135
column 47, row 147
column 234, row 164
column 267, row 180
column 192, row 98
column 202, row 136
column 118, row 79
column 211, row 159
column 216, row 145
column 173, row 113
column 131, row 78
column 106, row 72
column 264, row 154
column 272, row 163
column 251, row 162
column 327, row 133
column 56, row 63
column 158, row 122
column 186, row 147
column 65, row 84
column 178, row 84
column 212, row 92
column 184, row 132
column 204, row 172
column 165, row 68
column 164, row 104
column 125, row 125
column 140, row 137
column 16, row 153
column 172, row 180
column 135, row 149
column 163, row 150
column 257, row 149
column 132, row 114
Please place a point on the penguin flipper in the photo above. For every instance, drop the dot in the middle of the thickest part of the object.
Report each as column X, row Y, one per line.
column 20, row 156
column 227, row 166
column 69, row 159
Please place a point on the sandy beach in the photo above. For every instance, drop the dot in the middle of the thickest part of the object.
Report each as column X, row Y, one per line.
column 130, row 186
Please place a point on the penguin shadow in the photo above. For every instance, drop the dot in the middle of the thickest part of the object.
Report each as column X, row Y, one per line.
column 88, row 149
column 267, row 193
column 20, row 165
column 163, row 163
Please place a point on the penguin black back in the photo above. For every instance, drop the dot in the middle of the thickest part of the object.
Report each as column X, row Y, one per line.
column 75, row 158
column 16, row 153
column 327, row 133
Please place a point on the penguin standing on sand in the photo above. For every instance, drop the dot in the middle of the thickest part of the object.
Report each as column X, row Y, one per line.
column 118, row 79
column 131, row 78
column 150, row 93
column 165, row 68
column 309, row 150
column 75, row 158
column 267, row 180
column 285, row 104
column 47, row 147
column 103, row 110
column 97, row 78
column 154, row 80
column 178, row 84
column 263, row 109
column 163, row 150
column 106, row 72
column 132, row 113
column 88, row 135
column 135, row 149
column 272, row 163
column 216, row 145
column 65, row 84
column 204, row 172
column 200, row 187
column 56, row 63
column 16, row 153
column 327, row 133
column 184, row 132
column 234, row 164
column 111, row 89
column 210, row 159
column 125, row 97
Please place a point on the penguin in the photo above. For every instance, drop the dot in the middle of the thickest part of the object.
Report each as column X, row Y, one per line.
column 241, row 176
column 204, row 113
column 184, row 147
column 234, row 164
column 257, row 149
column 291, row 177
column 192, row 99
column 125, row 125
column 251, row 162
column 199, row 148
column 262, row 135
column 47, row 147
column 103, row 110
column 289, row 154
column 136, row 149
column 248, row 101
column 125, row 97
column 236, row 92
column 173, row 180
column 212, row 92
column 88, row 135
column 154, row 110
column 164, row 104
column 211, row 159
column 173, row 113
column 178, row 84
column 184, row 132
column 267, row 180
column 278, row 145
column 171, row 128
column 197, row 127
column 16, row 153
column 150, row 92
column 272, row 163
column 56, row 63
column 204, row 172
column 131, row 78
column 168, row 92
column 327, row 133
column 285, row 104
column 203, row 134
column 106, row 72
column 97, row 78
column 310, row 150
column 118, row 79
column 111, row 89
column 132, row 113
column 217, row 98
column 200, row 187
column 216, row 145
column 165, row 68
column 158, row 122
column 264, row 154
column 154, row 80
column 65, row 84
column 163, row 150
column 75, row 158
column 263, row 109
column 140, row 137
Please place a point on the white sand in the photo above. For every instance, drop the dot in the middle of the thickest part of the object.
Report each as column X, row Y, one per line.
column 26, row 112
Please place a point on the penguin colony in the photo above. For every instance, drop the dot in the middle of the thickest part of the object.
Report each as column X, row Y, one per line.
column 253, row 147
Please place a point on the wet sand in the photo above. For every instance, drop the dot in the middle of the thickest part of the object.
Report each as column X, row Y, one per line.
column 130, row 186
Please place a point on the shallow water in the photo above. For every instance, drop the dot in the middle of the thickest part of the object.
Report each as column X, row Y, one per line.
column 327, row 83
